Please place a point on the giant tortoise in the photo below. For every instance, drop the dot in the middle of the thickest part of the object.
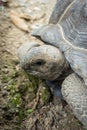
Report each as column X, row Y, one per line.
column 66, row 33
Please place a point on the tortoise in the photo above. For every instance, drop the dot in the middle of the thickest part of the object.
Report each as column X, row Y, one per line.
column 66, row 34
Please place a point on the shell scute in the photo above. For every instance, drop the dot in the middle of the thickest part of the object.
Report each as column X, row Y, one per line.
column 74, row 24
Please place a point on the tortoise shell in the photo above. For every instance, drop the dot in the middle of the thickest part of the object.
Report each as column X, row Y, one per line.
column 74, row 23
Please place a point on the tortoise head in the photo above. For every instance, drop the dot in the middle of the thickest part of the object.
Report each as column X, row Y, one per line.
column 44, row 61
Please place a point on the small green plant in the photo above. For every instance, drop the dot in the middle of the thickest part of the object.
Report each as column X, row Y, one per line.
column 29, row 111
column 45, row 94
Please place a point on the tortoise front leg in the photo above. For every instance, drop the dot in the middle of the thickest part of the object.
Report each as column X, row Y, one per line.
column 75, row 93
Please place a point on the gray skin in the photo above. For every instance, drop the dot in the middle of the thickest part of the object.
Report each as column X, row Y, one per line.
column 69, row 35
column 44, row 61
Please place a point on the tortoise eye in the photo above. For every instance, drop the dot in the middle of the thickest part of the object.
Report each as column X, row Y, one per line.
column 40, row 62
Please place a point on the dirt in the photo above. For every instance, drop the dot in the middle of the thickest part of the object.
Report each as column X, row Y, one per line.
column 25, row 102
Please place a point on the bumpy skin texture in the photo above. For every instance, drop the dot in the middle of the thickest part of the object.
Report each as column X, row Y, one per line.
column 75, row 93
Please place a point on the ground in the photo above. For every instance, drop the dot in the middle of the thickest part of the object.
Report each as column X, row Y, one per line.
column 25, row 101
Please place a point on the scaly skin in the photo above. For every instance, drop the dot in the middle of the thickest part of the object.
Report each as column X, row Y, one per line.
column 75, row 93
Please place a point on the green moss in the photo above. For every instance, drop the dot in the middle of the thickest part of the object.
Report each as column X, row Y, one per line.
column 45, row 95
column 29, row 111
column 23, row 85
column 5, row 78
column 21, row 88
column 16, row 100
